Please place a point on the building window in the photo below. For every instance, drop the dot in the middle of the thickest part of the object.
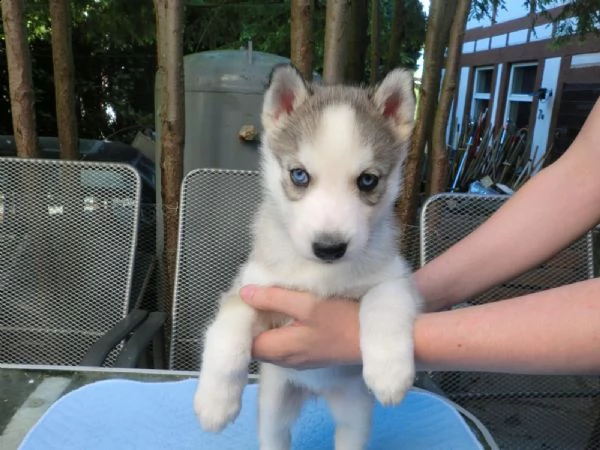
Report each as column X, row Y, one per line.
column 482, row 91
column 521, row 86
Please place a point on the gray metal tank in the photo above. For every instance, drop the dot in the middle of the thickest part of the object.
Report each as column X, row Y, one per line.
column 223, row 99
column 223, row 94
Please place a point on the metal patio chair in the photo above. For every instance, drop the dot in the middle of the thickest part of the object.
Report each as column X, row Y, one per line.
column 521, row 411
column 217, row 207
column 68, row 232
column 216, row 210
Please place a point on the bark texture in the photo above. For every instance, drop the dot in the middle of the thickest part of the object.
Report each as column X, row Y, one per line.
column 22, row 97
column 169, row 24
column 397, row 35
column 375, row 55
column 435, row 41
column 64, row 78
column 357, row 42
column 302, row 45
column 439, row 155
column 336, row 41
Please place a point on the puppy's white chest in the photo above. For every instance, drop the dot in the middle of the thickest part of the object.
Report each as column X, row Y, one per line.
column 311, row 278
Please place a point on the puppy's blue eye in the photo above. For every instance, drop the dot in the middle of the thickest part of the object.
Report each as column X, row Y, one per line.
column 367, row 182
column 299, row 177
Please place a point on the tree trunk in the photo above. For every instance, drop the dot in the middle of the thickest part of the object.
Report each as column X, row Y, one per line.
column 22, row 97
column 439, row 156
column 301, row 29
column 169, row 26
column 396, row 35
column 435, row 40
column 64, row 78
column 357, row 42
column 375, row 50
column 336, row 41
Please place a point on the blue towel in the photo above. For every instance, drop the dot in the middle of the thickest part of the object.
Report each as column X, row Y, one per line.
column 132, row 415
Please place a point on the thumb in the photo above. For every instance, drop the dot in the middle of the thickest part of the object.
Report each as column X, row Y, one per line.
column 295, row 304
column 274, row 345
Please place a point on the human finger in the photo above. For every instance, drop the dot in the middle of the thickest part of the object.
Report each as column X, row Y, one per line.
column 295, row 304
column 277, row 345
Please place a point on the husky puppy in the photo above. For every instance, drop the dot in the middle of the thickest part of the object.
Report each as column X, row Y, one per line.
column 331, row 167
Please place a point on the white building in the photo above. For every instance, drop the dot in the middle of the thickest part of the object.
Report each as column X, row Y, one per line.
column 509, row 67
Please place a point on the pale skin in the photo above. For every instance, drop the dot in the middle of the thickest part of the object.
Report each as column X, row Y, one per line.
column 550, row 332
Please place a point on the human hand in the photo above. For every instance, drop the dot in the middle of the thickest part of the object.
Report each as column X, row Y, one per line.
column 322, row 332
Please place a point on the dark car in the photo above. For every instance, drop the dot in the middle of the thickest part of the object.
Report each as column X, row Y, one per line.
column 112, row 152
column 100, row 151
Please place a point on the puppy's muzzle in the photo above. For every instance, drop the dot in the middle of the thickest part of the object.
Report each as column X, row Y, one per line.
column 329, row 249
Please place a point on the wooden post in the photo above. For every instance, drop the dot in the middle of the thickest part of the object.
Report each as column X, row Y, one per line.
column 169, row 20
column 439, row 153
column 336, row 41
column 64, row 79
column 22, row 97
column 301, row 27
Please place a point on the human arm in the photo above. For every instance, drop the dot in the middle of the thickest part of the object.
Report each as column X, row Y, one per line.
column 553, row 209
column 522, row 234
column 549, row 332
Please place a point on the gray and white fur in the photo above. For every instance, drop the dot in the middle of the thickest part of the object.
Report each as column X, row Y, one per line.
column 332, row 161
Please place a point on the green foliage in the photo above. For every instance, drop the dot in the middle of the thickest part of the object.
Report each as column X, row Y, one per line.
column 266, row 24
column 227, row 26
column 413, row 36
column 575, row 21
column 114, row 49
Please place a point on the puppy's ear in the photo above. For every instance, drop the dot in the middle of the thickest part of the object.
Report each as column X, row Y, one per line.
column 287, row 90
column 394, row 97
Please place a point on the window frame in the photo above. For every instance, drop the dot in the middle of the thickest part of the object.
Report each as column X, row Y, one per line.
column 518, row 98
column 481, row 95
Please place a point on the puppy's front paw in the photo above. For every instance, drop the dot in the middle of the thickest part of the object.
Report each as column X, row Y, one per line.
column 217, row 403
column 389, row 377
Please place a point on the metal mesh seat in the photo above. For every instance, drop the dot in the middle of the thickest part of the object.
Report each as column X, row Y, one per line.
column 217, row 207
column 522, row 412
column 67, row 242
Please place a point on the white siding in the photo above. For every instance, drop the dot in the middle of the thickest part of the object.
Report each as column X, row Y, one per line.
column 498, row 41
column 496, row 95
column 517, row 37
column 585, row 60
column 456, row 121
column 482, row 45
column 513, row 9
column 541, row 32
column 544, row 113
column 469, row 47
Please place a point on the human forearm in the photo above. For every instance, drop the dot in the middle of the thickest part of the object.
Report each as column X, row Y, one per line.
column 554, row 332
column 556, row 207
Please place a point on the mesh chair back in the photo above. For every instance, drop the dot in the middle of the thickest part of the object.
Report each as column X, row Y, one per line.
column 67, row 241
column 217, row 208
column 525, row 412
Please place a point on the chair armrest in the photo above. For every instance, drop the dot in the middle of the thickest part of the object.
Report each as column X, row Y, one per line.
column 149, row 331
column 98, row 352
column 148, row 262
column 424, row 381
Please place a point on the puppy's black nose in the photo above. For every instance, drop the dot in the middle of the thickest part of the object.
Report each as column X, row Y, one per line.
column 329, row 250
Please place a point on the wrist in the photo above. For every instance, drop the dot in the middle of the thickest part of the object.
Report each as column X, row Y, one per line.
column 436, row 295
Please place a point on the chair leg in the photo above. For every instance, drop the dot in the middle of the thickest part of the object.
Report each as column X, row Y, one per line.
column 158, row 350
